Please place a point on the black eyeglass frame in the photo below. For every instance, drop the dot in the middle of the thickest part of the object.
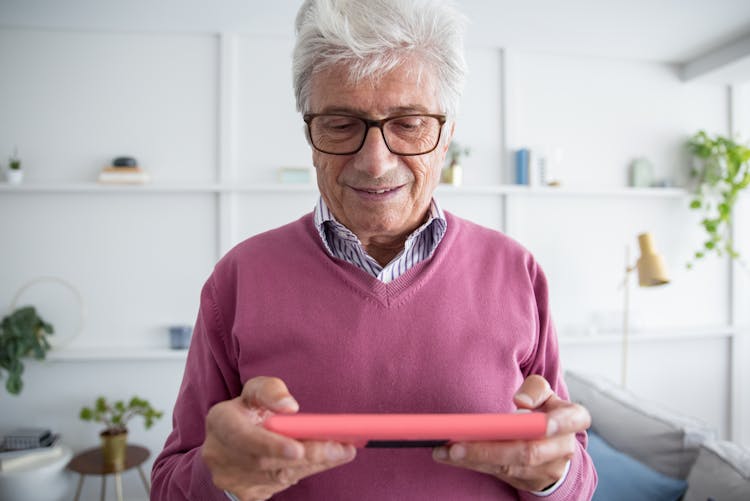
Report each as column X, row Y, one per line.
column 369, row 123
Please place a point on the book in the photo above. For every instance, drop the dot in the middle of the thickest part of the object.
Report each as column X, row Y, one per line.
column 115, row 174
column 522, row 166
column 26, row 438
column 117, row 177
column 21, row 459
column 121, row 170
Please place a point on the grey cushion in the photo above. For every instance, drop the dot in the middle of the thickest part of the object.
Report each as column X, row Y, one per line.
column 721, row 472
column 664, row 440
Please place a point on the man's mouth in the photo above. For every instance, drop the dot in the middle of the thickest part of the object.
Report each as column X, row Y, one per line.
column 379, row 191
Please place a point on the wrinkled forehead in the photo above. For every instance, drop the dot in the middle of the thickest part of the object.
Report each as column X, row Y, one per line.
column 410, row 85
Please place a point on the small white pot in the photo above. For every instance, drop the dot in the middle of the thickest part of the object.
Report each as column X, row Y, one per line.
column 14, row 176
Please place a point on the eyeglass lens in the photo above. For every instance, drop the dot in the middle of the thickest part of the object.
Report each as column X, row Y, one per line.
column 405, row 135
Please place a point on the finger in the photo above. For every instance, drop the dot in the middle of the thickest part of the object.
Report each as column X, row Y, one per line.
column 489, row 455
column 567, row 418
column 535, row 478
column 228, row 424
column 319, row 456
column 533, row 393
column 262, row 476
column 322, row 456
column 266, row 444
column 269, row 393
column 323, row 453
column 329, row 452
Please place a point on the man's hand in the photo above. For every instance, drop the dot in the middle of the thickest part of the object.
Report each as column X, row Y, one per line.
column 253, row 463
column 526, row 465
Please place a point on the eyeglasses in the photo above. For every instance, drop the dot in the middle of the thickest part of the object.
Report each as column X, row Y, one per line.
column 405, row 135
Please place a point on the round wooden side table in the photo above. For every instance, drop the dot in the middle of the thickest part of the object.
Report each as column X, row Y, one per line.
column 91, row 462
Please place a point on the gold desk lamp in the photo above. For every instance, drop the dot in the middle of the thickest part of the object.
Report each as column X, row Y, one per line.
column 651, row 272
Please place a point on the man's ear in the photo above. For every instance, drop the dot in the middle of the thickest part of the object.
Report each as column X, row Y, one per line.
column 449, row 138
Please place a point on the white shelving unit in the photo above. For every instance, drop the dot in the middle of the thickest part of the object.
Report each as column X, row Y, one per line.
column 176, row 187
column 114, row 354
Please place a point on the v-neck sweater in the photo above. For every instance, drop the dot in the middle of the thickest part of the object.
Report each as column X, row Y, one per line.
column 458, row 332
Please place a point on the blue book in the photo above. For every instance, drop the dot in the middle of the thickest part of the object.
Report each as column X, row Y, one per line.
column 522, row 166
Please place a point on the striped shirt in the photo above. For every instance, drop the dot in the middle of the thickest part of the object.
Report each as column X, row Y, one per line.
column 341, row 243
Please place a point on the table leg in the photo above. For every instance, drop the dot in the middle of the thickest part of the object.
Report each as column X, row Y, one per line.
column 143, row 478
column 78, row 489
column 103, row 494
column 118, row 486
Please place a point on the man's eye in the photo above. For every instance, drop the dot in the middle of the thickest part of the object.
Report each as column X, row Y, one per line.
column 339, row 124
column 408, row 124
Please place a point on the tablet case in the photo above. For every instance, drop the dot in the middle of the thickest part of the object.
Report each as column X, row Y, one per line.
column 409, row 430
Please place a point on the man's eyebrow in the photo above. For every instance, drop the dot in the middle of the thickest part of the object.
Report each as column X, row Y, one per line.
column 359, row 112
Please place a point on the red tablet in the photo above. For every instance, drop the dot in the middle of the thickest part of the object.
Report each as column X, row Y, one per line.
column 408, row 430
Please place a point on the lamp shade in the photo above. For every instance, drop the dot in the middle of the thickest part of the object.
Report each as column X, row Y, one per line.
column 651, row 268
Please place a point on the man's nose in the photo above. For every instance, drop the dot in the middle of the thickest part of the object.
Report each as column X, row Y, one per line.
column 375, row 158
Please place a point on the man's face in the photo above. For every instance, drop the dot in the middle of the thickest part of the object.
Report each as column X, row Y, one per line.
column 375, row 193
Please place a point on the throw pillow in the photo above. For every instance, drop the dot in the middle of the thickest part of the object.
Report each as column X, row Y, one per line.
column 721, row 472
column 622, row 478
column 665, row 441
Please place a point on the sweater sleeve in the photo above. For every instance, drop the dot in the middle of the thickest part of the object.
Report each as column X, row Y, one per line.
column 544, row 360
column 210, row 376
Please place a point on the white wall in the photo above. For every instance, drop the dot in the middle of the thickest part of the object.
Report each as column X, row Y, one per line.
column 605, row 113
column 73, row 100
column 741, row 277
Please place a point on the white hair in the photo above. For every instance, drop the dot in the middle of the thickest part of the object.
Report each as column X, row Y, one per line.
column 372, row 37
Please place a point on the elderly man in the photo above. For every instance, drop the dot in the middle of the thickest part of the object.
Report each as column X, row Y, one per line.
column 377, row 302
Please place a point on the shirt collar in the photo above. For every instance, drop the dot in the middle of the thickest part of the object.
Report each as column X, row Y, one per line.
column 324, row 217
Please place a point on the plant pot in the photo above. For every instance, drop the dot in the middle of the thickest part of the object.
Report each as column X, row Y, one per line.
column 14, row 176
column 113, row 449
column 453, row 174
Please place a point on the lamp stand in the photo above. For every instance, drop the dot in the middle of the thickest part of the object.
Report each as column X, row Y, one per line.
column 625, row 319
column 651, row 272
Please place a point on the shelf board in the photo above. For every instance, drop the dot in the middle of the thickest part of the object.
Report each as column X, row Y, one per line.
column 115, row 354
column 226, row 187
column 656, row 335
column 93, row 187
column 593, row 192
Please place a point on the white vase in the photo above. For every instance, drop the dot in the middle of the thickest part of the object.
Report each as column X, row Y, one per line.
column 14, row 176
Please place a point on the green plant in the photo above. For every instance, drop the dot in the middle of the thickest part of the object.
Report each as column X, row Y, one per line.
column 456, row 152
column 722, row 174
column 116, row 415
column 14, row 163
column 23, row 333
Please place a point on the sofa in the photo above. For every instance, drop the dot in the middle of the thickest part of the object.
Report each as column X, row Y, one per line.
column 643, row 451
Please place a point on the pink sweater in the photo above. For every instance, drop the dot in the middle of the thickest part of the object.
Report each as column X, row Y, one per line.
column 457, row 333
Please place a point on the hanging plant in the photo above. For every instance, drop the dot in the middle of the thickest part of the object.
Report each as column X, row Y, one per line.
column 23, row 333
column 722, row 173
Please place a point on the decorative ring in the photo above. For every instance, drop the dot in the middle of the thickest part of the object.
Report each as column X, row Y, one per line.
column 56, row 341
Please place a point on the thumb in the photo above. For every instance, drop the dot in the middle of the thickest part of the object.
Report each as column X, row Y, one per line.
column 533, row 393
column 269, row 393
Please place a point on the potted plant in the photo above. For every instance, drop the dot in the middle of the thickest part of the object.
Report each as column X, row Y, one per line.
column 14, row 173
column 115, row 417
column 23, row 333
column 453, row 172
column 722, row 172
